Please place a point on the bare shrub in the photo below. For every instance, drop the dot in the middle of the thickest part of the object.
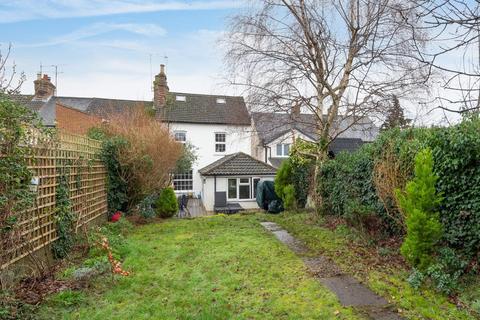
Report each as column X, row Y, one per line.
column 389, row 175
column 149, row 155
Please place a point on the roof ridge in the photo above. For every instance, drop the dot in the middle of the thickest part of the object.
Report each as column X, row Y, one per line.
column 205, row 94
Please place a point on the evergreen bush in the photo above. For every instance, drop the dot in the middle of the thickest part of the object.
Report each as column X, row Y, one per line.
column 166, row 204
column 289, row 200
column 420, row 203
column 283, row 178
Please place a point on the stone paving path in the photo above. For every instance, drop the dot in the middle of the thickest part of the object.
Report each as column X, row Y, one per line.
column 349, row 291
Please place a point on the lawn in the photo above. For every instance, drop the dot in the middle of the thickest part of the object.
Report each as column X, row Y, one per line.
column 208, row 268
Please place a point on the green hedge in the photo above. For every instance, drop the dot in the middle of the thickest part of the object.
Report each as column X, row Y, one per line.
column 348, row 189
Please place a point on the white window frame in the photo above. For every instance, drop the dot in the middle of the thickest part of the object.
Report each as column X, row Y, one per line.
column 220, row 143
column 185, row 179
column 283, row 154
column 250, row 184
column 180, row 132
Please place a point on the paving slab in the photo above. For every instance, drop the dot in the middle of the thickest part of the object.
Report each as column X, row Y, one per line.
column 351, row 292
column 287, row 239
column 271, row 226
column 322, row 267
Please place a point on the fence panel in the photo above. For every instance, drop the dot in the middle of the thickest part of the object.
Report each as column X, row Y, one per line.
column 79, row 156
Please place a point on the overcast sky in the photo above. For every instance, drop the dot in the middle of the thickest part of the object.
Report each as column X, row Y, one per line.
column 103, row 48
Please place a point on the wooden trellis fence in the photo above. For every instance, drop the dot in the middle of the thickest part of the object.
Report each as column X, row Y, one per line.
column 78, row 156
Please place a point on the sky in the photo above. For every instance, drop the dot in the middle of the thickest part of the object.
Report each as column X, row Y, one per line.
column 103, row 48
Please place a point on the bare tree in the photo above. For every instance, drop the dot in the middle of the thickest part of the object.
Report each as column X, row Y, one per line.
column 335, row 59
column 10, row 79
column 453, row 31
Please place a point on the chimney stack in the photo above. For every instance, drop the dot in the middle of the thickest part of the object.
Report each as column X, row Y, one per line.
column 160, row 88
column 44, row 88
column 296, row 109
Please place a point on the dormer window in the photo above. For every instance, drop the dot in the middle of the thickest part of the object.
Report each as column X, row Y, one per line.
column 221, row 101
column 181, row 98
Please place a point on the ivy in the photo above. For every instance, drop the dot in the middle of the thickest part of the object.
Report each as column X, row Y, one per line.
column 16, row 125
column 117, row 188
column 64, row 216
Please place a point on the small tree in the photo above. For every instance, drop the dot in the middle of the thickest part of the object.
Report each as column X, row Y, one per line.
column 167, row 204
column 419, row 203
column 395, row 117
column 284, row 187
column 187, row 159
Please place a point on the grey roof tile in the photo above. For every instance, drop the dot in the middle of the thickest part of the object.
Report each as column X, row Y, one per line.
column 200, row 108
column 270, row 126
column 237, row 164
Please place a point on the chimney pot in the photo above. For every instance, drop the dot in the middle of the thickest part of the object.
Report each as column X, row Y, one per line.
column 44, row 88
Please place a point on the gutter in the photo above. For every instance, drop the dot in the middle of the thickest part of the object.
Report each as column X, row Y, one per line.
column 266, row 152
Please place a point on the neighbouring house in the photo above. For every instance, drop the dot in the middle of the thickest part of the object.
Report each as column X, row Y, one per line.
column 55, row 111
column 235, row 148
column 274, row 133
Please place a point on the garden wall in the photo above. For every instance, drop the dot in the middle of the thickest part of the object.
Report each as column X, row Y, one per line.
column 76, row 157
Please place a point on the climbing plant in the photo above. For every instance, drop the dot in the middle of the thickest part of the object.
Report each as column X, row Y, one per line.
column 64, row 217
column 18, row 126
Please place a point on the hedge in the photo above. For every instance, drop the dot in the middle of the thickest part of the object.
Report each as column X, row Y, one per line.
column 360, row 186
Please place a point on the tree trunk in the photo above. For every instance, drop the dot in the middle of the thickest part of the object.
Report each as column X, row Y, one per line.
column 320, row 159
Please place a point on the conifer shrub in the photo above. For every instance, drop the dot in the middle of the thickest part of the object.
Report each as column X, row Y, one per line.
column 283, row 178
column 420, row 203
column 289, row 200
column 166, row 204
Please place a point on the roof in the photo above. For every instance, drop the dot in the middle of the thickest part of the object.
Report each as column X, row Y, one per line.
column 345, row 144
column 201, row 108
column 196, row 108
column 46, row 109
column 237, row 164
column 270, row 126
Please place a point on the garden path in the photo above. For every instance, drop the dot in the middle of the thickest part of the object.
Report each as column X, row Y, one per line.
column 349, row 291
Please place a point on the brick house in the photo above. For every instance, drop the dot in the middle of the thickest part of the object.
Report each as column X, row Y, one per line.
column 53, row 110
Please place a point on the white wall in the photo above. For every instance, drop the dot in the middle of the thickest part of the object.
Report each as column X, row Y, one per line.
column 202, row 136
column 209, row 191
column 286, row 138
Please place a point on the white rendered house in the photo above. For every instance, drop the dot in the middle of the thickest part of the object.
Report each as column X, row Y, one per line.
column 274, row 133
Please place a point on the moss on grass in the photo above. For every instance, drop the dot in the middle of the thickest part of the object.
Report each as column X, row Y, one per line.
column 207, row 268
column 352, row 254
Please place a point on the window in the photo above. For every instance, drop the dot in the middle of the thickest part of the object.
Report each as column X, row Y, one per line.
column 221, row 101
column 220, row 139
column 244, row 188
column 181, row 98
column 232, row 188
column 183, row 181
column 181, row 136
column 283, row 149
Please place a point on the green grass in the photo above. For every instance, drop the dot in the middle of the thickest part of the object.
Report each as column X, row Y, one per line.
column 208, row 268
column 351, row 253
